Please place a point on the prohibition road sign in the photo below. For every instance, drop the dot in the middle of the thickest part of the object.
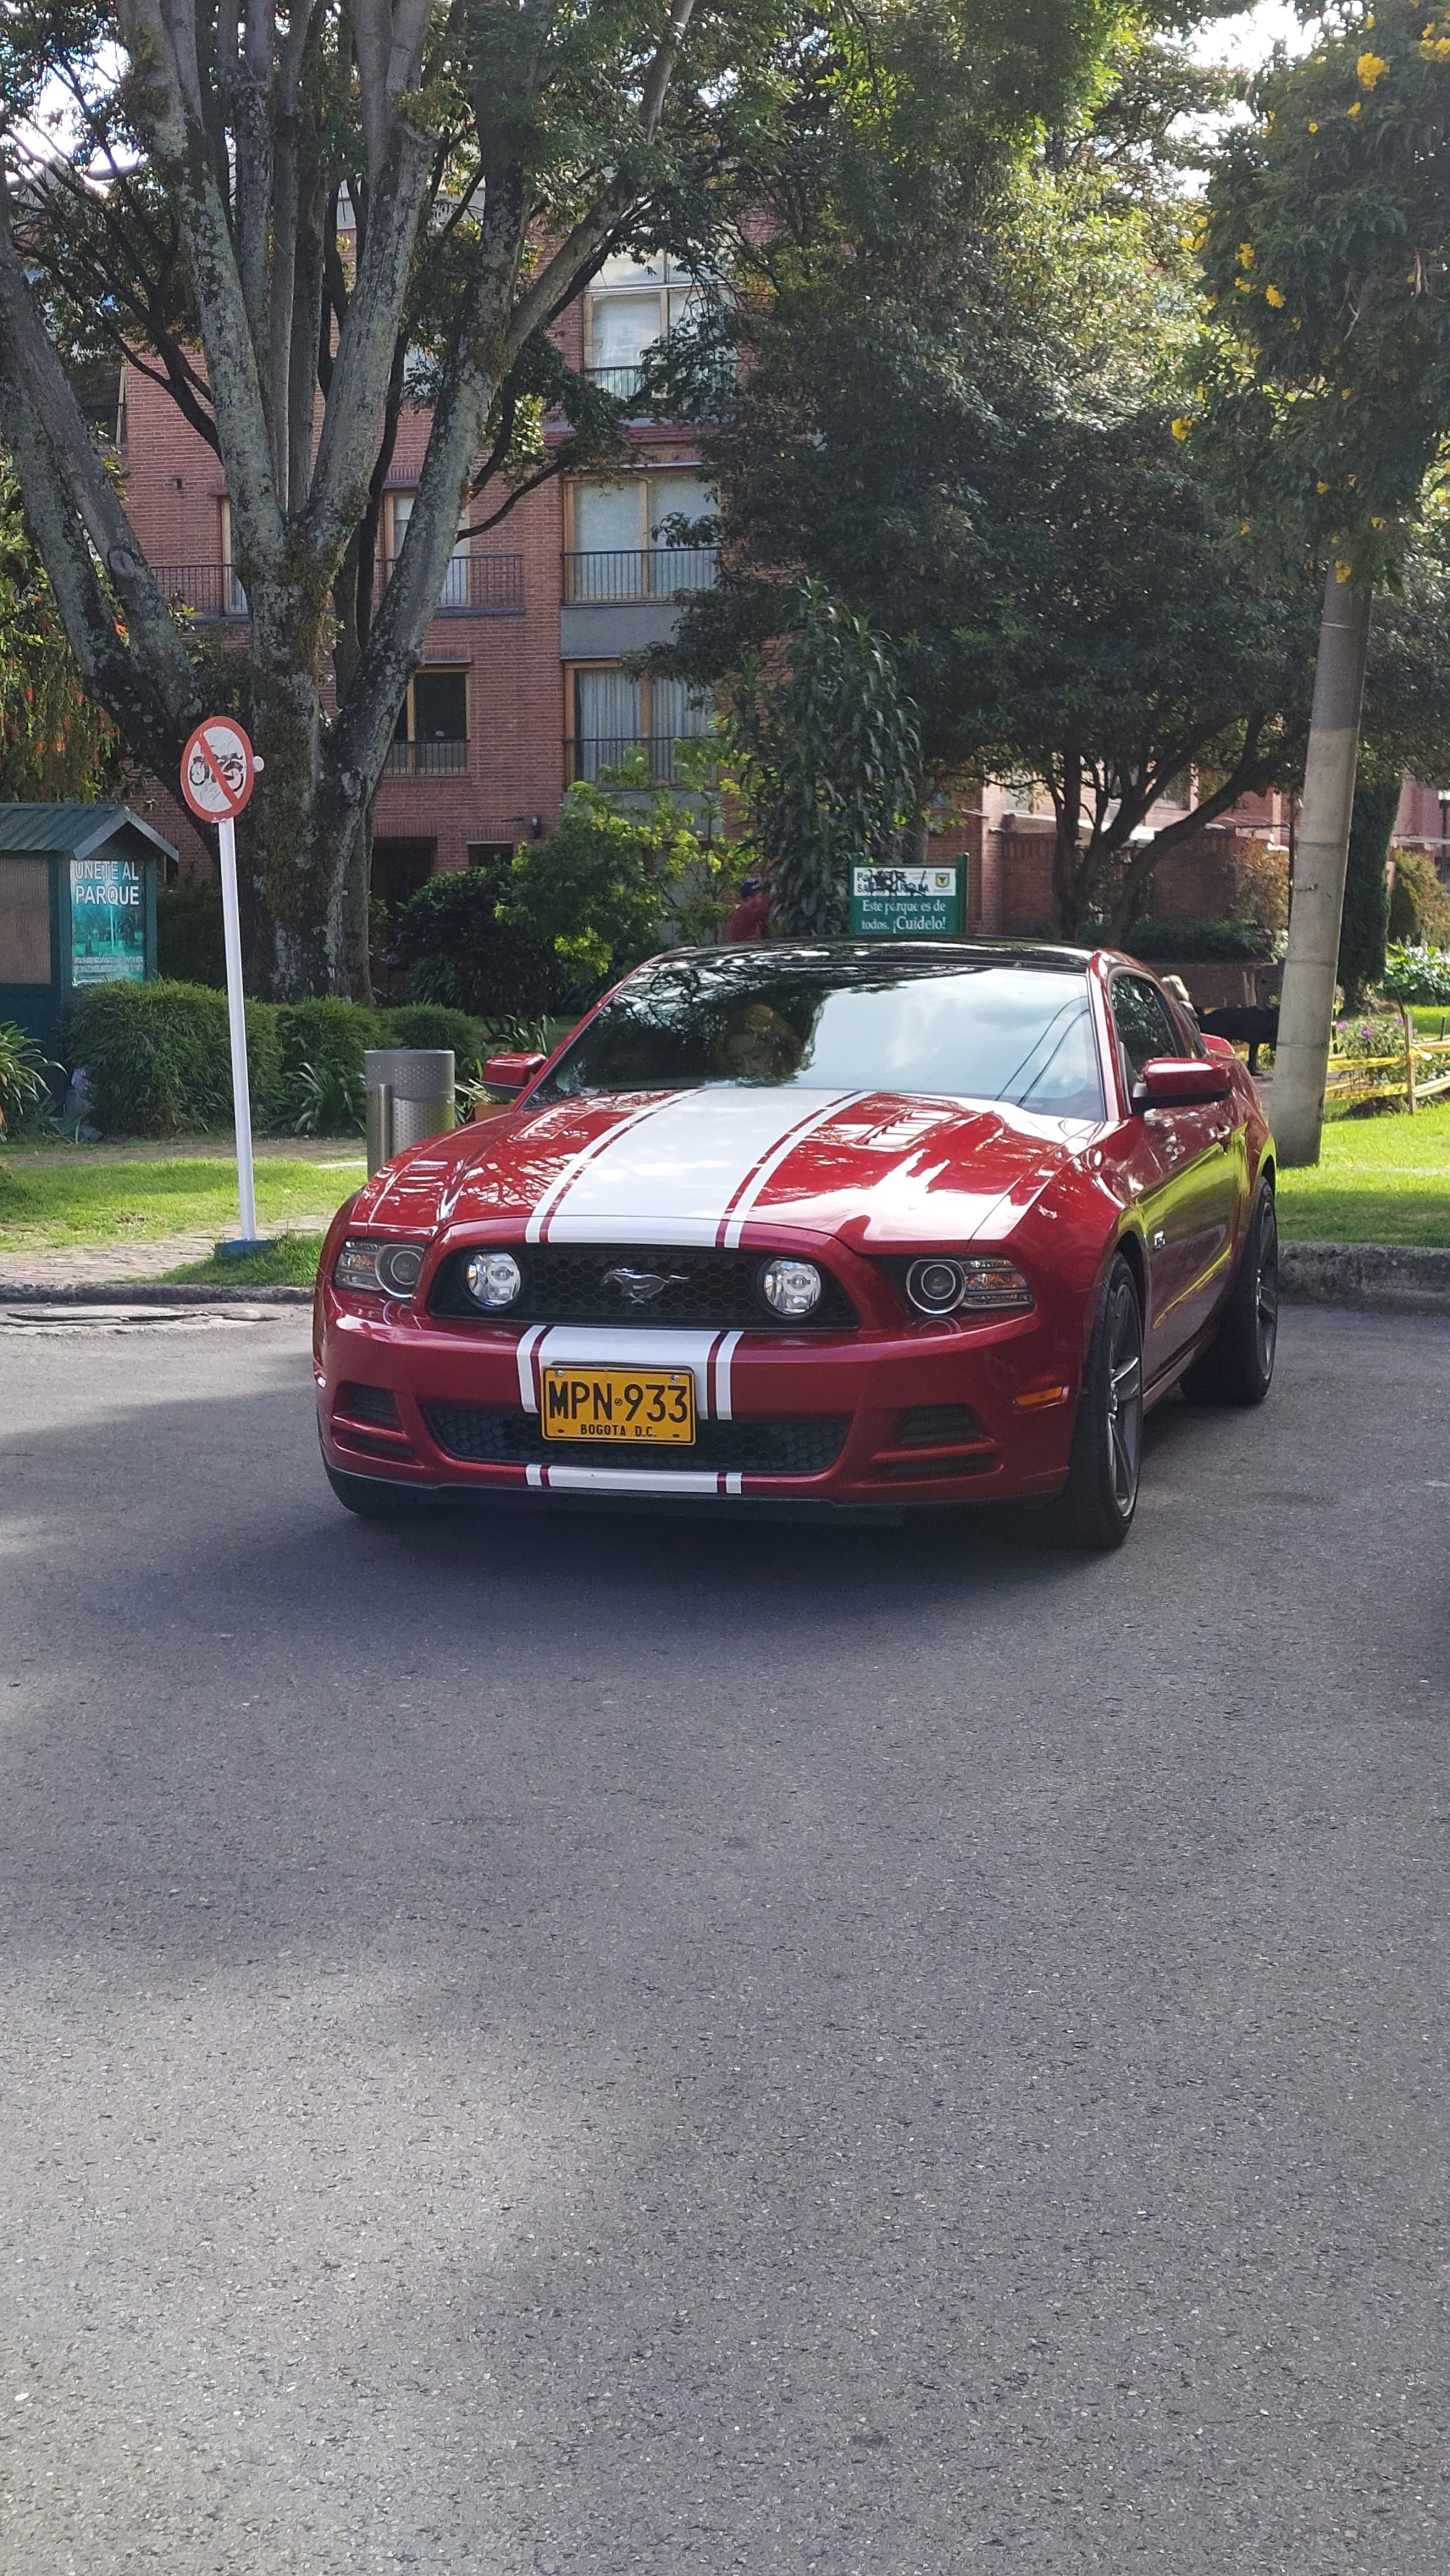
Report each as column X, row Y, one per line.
column 218, row 770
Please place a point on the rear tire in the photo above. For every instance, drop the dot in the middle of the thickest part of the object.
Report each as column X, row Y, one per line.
column 1096, row 1506
column 1238, row 1365
column 372, row 1500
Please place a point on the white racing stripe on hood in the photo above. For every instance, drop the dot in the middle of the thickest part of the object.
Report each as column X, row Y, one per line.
column 676, row 1173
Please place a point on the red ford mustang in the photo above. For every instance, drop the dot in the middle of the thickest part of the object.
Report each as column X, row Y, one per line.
column 871, row 1224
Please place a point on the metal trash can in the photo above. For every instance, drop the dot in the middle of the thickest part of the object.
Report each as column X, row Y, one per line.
column 410, row 1095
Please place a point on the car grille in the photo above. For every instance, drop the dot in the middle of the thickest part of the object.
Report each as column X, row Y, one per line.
column 801, row 1445
column 568, row 1283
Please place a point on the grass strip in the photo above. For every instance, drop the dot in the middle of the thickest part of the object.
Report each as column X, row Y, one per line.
column 1382, row 1179
column 290, row 1262
column 130, row 1202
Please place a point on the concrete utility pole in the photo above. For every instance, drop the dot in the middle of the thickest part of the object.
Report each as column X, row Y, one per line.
column 1321, row 851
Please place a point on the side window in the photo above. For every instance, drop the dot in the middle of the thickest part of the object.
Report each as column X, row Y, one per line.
column 1142, row 1022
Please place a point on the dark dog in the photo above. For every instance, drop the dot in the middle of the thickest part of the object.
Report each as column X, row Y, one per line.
column 1253, row 1024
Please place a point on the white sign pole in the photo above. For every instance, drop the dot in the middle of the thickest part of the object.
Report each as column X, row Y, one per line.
column 241, row 1088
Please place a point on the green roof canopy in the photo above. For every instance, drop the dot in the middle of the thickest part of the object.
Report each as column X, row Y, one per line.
column 78, row 832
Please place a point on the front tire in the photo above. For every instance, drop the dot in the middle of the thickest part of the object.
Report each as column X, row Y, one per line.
column 1238, row 1365
column 1096, row 1506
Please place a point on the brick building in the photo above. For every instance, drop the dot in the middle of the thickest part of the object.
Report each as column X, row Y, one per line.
column 520, row 688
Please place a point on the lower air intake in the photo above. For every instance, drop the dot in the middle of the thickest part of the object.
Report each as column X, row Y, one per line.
column 487, row 1437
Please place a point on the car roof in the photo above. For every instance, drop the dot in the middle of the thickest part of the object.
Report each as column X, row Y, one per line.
column 944, row 953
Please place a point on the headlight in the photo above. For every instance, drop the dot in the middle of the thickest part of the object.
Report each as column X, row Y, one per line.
column 386, row 1269
column 793, row 1288
column 493, row 1279
column 940, row 1287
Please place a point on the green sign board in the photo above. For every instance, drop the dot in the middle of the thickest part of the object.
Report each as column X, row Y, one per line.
column 907, row 903
column 108, row 920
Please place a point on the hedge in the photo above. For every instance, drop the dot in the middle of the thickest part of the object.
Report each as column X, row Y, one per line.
column 158, row 1056
column 1200, row 942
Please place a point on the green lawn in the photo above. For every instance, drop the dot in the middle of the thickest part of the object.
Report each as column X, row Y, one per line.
column 120, row 1202
column 290, row 1262
column 1378, row 1180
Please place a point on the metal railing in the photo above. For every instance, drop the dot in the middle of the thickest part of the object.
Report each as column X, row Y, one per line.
column 587, row 755
column 208, row 589
column 622, row 382
column 473, row 586
column 638, row 572
column 426, row 760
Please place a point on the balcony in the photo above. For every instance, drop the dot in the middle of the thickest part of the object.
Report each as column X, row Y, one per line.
column 585, row 755
column 426, row 760
column 208, row 590
column 473, row 586
column 638, row 572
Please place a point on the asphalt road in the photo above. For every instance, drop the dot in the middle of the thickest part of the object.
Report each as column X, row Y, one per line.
column 648, row 2048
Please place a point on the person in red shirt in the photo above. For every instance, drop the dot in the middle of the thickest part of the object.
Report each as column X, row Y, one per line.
column 751, row 916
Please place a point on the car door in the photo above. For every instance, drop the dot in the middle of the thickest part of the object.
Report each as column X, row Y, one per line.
column 1189, row 1192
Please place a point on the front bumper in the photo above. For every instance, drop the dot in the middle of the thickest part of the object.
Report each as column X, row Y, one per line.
column 401, row 1395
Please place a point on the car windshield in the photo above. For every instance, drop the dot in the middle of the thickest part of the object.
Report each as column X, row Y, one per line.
column 818, row 1021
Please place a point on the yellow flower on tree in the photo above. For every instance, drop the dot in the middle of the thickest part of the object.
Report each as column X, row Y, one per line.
column 1313, row 124
column 1321, row 489
column 1275, row 295
column 1354, row 111
column 1246, row 254
column 1342, row 571
column 1371, row 68
column 1180, row 427
column 1377, row 523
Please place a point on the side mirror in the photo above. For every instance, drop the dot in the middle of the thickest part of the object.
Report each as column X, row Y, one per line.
column 1222, row 1047
column 512, row 1072
column 1181, row 1082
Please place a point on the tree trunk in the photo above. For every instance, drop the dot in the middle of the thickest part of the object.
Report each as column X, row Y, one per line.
column 1306, row 1016
column 357, row 898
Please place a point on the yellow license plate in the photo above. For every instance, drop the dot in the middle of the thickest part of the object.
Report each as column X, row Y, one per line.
column 619, row 1404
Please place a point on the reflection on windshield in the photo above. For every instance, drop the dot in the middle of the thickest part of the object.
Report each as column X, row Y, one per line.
column 818, row 1023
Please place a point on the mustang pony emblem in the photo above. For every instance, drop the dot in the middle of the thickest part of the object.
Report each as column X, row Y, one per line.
column 638, row 1287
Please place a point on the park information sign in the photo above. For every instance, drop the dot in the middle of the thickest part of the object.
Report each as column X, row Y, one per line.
column 108, row 921
column 907, row 903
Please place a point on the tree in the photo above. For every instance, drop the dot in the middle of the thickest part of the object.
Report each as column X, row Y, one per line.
column 829, row 756
column 1365, row 925
column 300, row 223
column 53, row 741
column 1326, row 242
column 962, row 425
column 617, row 865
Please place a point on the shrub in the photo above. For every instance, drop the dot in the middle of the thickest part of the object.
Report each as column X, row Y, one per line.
column 429, row 1024
column 461, row 956
column 329, row 1037
column 158, row 1060
column 1202, row 942
column 1416, row 974
column 1419, row 905
column 330, row 1101
column 1263, row 891
column 189, row 944
column 23, row 1071
column 600, row 887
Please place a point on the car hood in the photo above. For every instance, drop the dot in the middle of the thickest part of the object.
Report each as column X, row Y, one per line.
column 696, row 1167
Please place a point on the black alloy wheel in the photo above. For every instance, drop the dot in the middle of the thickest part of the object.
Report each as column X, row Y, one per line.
column 1238, row 1365
column 1096, row 1506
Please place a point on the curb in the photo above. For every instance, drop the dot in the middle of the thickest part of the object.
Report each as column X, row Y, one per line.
column 1395, row 1278
column 149, row 1292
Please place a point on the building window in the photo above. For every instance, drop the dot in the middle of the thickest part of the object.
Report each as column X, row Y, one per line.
column 633, row 303
column 625, row 540
column 613, row 714
column 454, row 593
column 430, row 739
